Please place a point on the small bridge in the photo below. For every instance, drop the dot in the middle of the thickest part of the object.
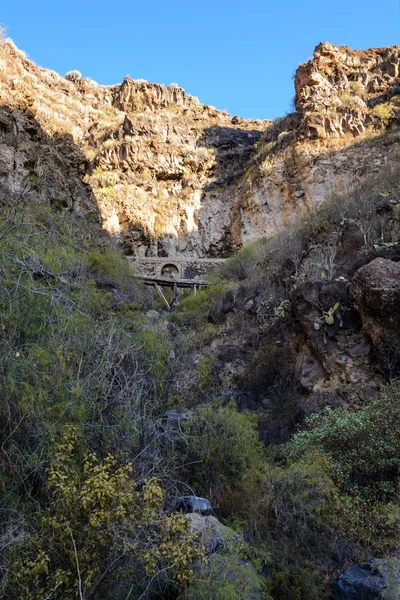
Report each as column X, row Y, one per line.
column 176, row 268
column 174, row 273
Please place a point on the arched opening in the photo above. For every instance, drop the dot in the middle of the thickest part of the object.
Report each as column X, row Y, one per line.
column 170, row 271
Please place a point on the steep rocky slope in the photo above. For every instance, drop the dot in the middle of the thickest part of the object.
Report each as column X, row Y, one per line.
column 142, row 154
column 301, row 327
column 336, row 90
column 344, row 128
column 305, row 319
column 171, row 176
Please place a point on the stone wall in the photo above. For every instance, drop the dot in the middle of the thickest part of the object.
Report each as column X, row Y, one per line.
column 175, row 268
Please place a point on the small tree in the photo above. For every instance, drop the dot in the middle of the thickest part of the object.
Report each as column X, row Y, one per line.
column 95, row 522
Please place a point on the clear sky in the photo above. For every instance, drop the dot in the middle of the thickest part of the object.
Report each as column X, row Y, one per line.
column 235, row 55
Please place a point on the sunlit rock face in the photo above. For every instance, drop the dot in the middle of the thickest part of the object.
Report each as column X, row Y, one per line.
column 336, row 91
column 171, row 177
column 345, row 128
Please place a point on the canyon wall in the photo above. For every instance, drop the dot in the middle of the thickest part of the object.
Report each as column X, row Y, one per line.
column 171, row 177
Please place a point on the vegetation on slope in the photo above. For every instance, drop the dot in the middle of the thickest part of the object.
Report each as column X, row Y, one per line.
column 82, row 387
column 327, row 493
column 90, row 465
column 317, row 248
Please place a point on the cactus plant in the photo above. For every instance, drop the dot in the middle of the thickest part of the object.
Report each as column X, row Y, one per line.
column 329, row 315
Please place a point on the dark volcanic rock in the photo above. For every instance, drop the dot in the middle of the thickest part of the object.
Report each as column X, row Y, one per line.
column 360, row 582
column 391, row 253
column 368, row 581
column 375, row 291
column 327, row 351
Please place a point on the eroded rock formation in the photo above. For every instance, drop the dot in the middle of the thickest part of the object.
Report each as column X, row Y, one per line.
column 336, row 90
column 172, row 177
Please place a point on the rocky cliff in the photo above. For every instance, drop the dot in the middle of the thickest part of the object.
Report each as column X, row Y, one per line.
column 171, row 176
column 345, row 127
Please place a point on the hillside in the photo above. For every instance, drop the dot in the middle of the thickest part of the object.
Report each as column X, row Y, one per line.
column 273, row 393
column 171, row 176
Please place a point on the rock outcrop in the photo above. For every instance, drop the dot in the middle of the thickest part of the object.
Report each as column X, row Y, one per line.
column 225, row 569
column 369, row 581
column 211, row 533
column 375, row 291
column 172, row 177
column 336, row 90
column 329, row 355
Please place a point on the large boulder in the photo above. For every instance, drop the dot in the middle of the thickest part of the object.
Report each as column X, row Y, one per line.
column 375, row 292
column 369, row 581
column 211, row 533
column 225, row 574
column 193, row 504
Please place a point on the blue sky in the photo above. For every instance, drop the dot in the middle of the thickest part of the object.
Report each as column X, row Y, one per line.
column 237, row 55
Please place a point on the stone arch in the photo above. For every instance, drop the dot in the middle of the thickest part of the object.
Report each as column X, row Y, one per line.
column 170, row 270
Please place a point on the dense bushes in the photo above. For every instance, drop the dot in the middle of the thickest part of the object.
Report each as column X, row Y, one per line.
column 227, row 576
column 289, row 512
column 363, row 450
column 330, row 495
column 364, row 446
column 77, row 350
column 222, row 452
column 96, row 522
column 296, row 519
column 85, row 382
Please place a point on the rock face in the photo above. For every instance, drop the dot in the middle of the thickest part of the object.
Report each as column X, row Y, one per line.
column 171, row 177
column 376, row 294
column 52, row 167
column 328, row 355
column 336, row 90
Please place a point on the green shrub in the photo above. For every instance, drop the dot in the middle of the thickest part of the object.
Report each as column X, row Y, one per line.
column 223, row 451
column 209, row 303
column 363, row 446
column 69, row 354
column 244, row 264
column 96, row 518
column 297, row 519
column 104, row 179
column 358, row 88
column 384, row 112
column 204, row 374
column 363, row 450
column 109, row 262
column 227, row 577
